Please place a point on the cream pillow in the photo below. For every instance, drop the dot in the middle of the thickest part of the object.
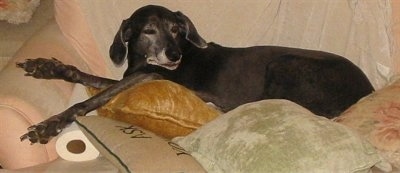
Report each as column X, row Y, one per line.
column 279, row 136
column 133, row 149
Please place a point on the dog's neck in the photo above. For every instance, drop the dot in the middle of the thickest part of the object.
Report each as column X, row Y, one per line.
column 190, row 51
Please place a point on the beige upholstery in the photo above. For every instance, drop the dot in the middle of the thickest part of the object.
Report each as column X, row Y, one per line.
column 396, row 34
column 25, row 101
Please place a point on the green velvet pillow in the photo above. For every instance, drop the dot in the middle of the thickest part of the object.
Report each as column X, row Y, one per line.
column 279, row 136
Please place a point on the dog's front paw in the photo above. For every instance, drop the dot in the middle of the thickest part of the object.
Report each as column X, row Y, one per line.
column 42, row 68
column 39, row 133
column 44, row 131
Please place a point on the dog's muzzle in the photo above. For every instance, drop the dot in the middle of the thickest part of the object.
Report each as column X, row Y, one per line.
column 169, row 62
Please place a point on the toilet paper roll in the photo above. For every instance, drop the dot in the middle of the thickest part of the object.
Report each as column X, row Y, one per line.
column 73, row 145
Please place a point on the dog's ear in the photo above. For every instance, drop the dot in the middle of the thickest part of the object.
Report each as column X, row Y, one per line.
column 118, row 48
column 191, row 32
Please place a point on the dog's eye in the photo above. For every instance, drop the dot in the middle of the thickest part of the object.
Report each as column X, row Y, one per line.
column 149, row 31
column 174, row 29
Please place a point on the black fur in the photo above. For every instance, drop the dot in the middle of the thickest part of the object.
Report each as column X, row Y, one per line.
column 325, row 83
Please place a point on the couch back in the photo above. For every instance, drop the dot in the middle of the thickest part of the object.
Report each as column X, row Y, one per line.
column 359, row 30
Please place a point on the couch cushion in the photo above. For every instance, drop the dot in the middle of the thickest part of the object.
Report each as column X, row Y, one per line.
column 279, row 136
column 26, row 101
column 13, row 123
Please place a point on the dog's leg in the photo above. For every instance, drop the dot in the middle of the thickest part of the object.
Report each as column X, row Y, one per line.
column 44, row 131
column 42, row 68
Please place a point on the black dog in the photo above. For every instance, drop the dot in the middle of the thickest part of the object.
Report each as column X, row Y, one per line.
column 161, row 44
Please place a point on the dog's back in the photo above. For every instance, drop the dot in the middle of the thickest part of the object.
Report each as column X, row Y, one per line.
column 324, row 83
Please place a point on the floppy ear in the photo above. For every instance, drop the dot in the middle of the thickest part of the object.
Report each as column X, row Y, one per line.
column 118, row 48
column 191, row 32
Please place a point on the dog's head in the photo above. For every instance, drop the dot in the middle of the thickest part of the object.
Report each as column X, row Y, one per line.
column 153, row 35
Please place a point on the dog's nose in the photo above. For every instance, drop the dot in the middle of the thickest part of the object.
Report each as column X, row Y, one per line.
column 173, row 55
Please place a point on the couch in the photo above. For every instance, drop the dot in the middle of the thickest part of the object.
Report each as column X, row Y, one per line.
column 366, row 32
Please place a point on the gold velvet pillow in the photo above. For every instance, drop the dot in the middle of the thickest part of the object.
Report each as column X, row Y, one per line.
column 163, row 107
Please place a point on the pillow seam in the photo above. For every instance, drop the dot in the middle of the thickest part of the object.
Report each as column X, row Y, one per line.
column 104, row 146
